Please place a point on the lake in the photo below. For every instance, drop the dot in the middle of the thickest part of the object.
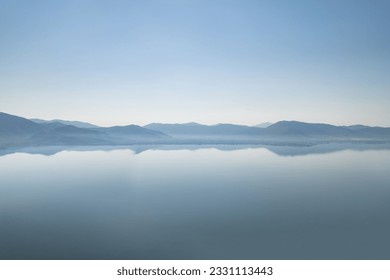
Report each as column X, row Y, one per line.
column 187, row 203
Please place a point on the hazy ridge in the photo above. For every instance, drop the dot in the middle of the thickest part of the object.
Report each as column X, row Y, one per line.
column 17, row 131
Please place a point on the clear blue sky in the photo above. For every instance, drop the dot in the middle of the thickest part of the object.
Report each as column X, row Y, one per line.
column 210, row 61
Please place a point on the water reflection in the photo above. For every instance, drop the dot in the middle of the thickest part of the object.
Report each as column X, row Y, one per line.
column 247, row 203
column 280, row 150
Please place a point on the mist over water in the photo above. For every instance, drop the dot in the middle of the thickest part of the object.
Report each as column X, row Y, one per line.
column 195, row 204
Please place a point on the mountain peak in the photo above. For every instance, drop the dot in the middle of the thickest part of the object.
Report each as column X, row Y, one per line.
column 263, row 125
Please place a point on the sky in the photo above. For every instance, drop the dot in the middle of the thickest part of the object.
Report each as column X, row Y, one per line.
column 118, row 62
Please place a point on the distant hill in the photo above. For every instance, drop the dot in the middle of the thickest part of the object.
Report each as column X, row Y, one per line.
column 301, row 129
column 263, row 125
column 133, row 130
column 69, row 135
column 280, row 132
column 178, row 129
column 17, row 126
column 74, row 123
column 326, row 131
column 373, row 132
column 52, row 124
column 16, row 130
column 133, row 134
column 195, row 129
column 20, row 132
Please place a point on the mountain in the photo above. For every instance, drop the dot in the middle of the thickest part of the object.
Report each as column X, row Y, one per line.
column 263, row 125
column 74, row 123
column 16, row 130
column 69, row 135
column 133, row 134
column 280, row 133
column 132, row 130
column 295, row 129
column 195, row 129
column 13, row 125
column 373, row 132
column 311, row 130
column 178, row 129
column 20, row 132
column 52, row 124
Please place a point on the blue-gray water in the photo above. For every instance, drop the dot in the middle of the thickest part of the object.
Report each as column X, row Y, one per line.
column 195, row 204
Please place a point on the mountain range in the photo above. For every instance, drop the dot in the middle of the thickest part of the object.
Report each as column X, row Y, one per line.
column 17, row 131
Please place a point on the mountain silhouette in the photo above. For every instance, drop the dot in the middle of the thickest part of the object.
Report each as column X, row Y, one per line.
column 64, row 122
column 13, row 125
column 131, row 130
column 20, row 132
column 301, row 129
column 69, row 135
column 16, row 131
column 195, row 129
column 327, row 131
column 263, row 125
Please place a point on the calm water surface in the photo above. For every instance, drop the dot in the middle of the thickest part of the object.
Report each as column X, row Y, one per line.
column 200, row 204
